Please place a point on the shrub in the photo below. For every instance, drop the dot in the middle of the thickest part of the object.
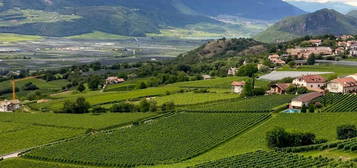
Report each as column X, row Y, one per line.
column 79, row 106
column 346, row 131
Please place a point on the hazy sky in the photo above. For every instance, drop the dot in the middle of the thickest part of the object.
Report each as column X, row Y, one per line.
column 350, row 2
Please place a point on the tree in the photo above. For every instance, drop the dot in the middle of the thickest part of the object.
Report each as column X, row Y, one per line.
column 141, row 85
column 94, row 82
column 311, row 60
column 81, row 87
column 346, row 131
column 291, row 64
column 311, row 108
column 248, row 70
column 303, row 108
column 248, row 89
column 168, row 107
column 144, row 106
column 30, row 86
column 277, row 138
column 79, row 106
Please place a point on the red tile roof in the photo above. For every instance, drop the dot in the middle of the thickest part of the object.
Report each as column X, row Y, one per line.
column 346, row 82
column 312, row 79
column 235, row 83
column 308, row 97
column 283, row 86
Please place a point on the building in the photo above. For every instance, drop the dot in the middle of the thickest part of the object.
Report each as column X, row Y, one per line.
column 206, row 77
column 311, row 82
column 237, row 87
column 345, row 37
column 279, row 88
column 114, row 80
column 343, row 85
column 306, row 52
column 304, row 99
column 232, row 71
column 276, row 59
column 315, row 42
column 9, row 105
column 340, row 51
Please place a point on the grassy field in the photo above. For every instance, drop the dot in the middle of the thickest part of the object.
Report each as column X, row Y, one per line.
column 10, row 38
column 194, row 98
column 84, row 121
column 172, row 139
column 340, row 70
column 44, row 86
column 21, row 136
column 97, row 35
column 26, row 163
column 259, row 103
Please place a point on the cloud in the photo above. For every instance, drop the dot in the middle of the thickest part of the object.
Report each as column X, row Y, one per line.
column 349, row 2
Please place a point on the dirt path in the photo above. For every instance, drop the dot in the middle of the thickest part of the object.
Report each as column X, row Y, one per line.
column 12, row 155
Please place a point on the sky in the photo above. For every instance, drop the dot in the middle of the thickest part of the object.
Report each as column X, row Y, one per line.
column 349, row 2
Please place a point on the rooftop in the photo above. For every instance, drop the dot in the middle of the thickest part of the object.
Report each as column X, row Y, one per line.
column 308, row 97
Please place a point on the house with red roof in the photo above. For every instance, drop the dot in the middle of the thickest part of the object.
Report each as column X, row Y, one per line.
column 114, row 80
column 279, row 88
column 343, row 85
column 238, row 87
column 311, row 82
column 304, row 99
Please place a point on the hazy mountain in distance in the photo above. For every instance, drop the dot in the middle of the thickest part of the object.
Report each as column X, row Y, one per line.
column 325, row 21
column 314, row 6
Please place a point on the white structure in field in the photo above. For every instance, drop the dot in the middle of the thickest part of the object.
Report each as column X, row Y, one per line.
column 304, row 99
column 310, row 81
column 343, row 85
column 9, row 105
column 238, row 87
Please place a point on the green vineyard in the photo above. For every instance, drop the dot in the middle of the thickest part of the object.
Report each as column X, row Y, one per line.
column 173, row 139
column 255, row 104
column 269, row 160
column 339, row 102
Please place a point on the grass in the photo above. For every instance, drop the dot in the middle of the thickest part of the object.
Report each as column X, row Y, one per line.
column 260, row 103
column 97, row 35
column 340, row 70
column 24, row 136
column 194, row 98
column 44, row 86
column 26, row 163
column 84, row 121
column 332, row 153
column 11, row 38
column 172, row 139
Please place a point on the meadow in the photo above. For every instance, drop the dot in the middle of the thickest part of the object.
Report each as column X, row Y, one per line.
column 168, row 140
column 78, row 121
column 11, row 38
column 259, row 103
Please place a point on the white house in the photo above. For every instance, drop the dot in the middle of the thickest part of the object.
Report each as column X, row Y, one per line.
column 114, row 80
column 206, row 77
column 343, row 85
column 232, row 71
column 312, row 82
column 304, row 99
column 9, row 105
column 237, row 87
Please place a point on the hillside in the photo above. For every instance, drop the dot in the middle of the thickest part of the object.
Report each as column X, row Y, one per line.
column 222, row 48
column 325, row 21
column 352, row 13
column 314, row 6
column 127, row 17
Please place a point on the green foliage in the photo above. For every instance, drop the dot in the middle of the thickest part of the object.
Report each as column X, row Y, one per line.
column 279, row 138
column 269, row 159
column 346, row 131
column 311, row 60
column 80, row 106
column 168, row 107
column 338, row 102
column 81, row 87
column 186, row 135
column 247, row 70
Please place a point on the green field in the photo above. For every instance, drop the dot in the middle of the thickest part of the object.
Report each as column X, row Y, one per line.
column 338, row 103
column 269, row 159
column 173, row 139
column 10, row 38
column 260, row 103
column 44, row 86
column 81, row 121
column 97, row 35
column 194, row 98
column 26, row 163
column 16, row 137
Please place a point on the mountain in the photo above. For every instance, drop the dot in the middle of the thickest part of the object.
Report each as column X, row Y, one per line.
column 325, row 21
column 314, row 6
column 352, row 13
column 127, row 17
column 251, row 9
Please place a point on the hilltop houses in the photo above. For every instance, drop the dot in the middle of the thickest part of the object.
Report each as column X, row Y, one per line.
column 316, row 42
column 279, row 88
column 304, row 53
column 114, row 80
column 304, row 99
column 276, row 59
column 343, row 85
column 9, row 105
column 311, row 82
column 238, row 87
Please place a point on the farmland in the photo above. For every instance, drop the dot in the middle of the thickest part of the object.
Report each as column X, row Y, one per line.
column 339, row 103
column 340, row 70
column 11, row 38
column 266, row 103
column 186, row 136
column 25, row 163
column 268, row 159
